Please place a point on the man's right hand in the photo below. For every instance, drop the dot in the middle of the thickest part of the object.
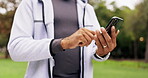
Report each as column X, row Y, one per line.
column 82, row 37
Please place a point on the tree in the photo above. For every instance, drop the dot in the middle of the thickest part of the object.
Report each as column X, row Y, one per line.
column 138, row 22
column 104, row 14
column 9, row 6
column 143, row 15
column 132, row 29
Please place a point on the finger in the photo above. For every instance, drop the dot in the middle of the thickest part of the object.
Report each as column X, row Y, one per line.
column 89, row 33
column 114, row 34
column 117, row 32
column 92, row 32
column 82, row 40
column 101, row 38
column 99, row 45
column 87, row 38
column 101, row 51
column 107, row 39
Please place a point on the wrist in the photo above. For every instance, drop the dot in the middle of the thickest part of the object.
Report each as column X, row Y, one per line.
column 64, row 44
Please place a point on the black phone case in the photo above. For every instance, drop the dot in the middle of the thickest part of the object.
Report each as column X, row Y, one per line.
column 113, row 22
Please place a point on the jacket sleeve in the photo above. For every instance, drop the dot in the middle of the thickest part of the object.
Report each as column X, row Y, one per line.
column 22, row 46
column 96, row 27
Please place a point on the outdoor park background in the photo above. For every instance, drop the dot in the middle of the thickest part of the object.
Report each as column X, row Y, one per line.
column 128, row 60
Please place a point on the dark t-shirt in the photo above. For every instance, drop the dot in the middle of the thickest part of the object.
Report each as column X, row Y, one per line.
column 67, row 63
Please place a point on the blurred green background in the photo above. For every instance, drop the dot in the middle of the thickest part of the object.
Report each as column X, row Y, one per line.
column 107, row 69
column 128, row 60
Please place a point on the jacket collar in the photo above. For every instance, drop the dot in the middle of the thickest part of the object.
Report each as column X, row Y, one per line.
column 49, row 12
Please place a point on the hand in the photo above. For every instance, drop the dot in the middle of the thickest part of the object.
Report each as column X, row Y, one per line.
column 82, row 37
column 104, row 42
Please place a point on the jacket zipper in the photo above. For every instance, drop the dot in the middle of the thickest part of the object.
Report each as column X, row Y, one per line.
column 83, row 47
column 82, row 62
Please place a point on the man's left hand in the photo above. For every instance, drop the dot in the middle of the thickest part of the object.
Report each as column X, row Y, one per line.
column 104, row 42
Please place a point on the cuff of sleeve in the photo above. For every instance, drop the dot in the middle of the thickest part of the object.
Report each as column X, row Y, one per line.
column 55, row 46
column 101, row 58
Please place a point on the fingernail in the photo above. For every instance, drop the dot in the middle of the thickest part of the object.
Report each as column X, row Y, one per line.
column 118, row 30
column 95, row 36
column 102, row 27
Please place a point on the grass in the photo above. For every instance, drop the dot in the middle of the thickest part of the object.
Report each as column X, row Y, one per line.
column 10, row 69
column 1, row 55
column 107, row 69
column 120, row 69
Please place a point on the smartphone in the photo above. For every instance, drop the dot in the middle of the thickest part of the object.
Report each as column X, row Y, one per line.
column 114, row 21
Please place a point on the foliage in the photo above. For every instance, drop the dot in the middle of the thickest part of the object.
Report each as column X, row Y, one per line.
column 132, row 29
column 5, row 26
column 138, row 25
column 6, row 19
column 137, row 20
column 143, row 16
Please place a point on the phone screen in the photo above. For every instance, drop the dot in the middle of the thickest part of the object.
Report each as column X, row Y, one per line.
column 115, row 21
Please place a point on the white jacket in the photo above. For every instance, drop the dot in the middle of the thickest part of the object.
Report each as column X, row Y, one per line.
column 30, row 42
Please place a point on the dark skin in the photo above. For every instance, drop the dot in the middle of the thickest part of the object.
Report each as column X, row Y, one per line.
column 105, row 40
column 83, row 37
